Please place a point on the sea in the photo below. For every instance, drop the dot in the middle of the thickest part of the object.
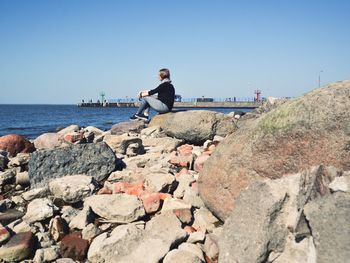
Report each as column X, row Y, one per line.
column 34, row 120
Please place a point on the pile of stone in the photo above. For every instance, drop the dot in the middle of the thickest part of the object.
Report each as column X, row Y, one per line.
column 126, row 195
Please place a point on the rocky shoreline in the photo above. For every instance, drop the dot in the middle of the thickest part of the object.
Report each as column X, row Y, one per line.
column 184, row 188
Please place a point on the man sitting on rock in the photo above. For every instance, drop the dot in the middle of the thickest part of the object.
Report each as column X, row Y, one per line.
column 165, row 101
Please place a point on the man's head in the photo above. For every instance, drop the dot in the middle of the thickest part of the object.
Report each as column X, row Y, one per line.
column 164, row 73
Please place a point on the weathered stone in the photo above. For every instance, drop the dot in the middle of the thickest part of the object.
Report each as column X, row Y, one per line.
column 328, row 218
column 72, row 189
column 211, row 247
column 46, row 254
column 90, row 231
column 15, row 144
column 184, row 215
column 192, row 248
column 10, row 216
column 5, row 204
column 20, row 246
column 4, row 234
column 195, row 237
column 192, row 197
column 126, row 175
column 96, row 160
column 58, row 228
column 341, row 184
column 22, row 179
column 171, row 204
column 82, row 219
column 70, row 128
column 74, row 137
column 151, row 202
column 160, row 182
column 300, row 133
column 121, row 143
column 181, row 256
column 39, row 209
column 7, row 177
column 166, row 144
column 73, row 246
column 151, row 132
column 3, row 162
column 118, row 208
column 199, row 162
column 47, row 141
column 68, row 213
column 128, row 188
column 205, row 220
column 126, row 127
column 44, row 239
column 185, row 181
column 194, row 126
column 129, row 244
column 36, row 193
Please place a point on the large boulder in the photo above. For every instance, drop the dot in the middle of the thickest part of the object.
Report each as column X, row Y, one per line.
column 195, row 126
column 96, row 160
column 14, row 144
column 310, row 130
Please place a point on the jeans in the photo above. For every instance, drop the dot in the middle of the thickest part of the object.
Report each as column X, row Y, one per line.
column 151, row 102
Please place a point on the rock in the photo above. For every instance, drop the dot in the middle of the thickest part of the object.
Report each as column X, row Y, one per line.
column 10, row 216
column 128, row 188
column 196, row 237
column 58, row 228
column 121, row 143
column 22, row 179
column 211, row 247
column 20, row 160
column 65, row 260
column 96, row 160
column 71, row 128
column 130, row 176
column 5, row 204
column 20, row 247
column 192, row 248
column 166, row 144
column 151, row 132
column 301, row 252
column 199, row 162
column 94, row 130
column 44, row 239
column 192, row 197
column 180, row 256
column 68, row 213
column 160, row 182
column 129, row 244
column 341, row 184
column 73, row 246
column 150, row 201
column 74, row 137
column 205, row 220
column 195, row 126
column 171, row 204
column 300, row 133
column 90, row 231
column 82, row 219
column 184, row 215
column 185, row 181
column 119, row 208
column 46, row 254
column 20, row 226
column 15, row 144
column 328, row 218
column 3, row 162
column 39, row 209
column 72, row 189
column 47, row 141
column 271, row 210
column 7, row 177
column 126, row 127
column 36, row 193
column 4, row 234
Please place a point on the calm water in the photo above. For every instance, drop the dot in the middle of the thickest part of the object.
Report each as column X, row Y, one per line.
column 33, row 120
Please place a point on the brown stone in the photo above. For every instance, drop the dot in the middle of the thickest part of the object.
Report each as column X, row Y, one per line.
column 19, row 247
column 151, row 202
column 9, row 216
column 14, row 144
column 184, row 215
column 303, row 132
column 73, row 246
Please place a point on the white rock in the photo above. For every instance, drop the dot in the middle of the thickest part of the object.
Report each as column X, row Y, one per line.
column 205, row 220
column 180, row 256
column 341, row 183
column 185, row 181
column 35, row 193
column 117, row 208
column 46, row 254
column 82, row 219
column 65, row 260
column 196, row 237
column 68, row 213
column 39, row 209
column 72, row 189
column 18, row 200
column 7, row 176
column 173, row 203
column 192, row 197
column 69, row 129
column 90, row 231
column 192, row 248
column 160, row 182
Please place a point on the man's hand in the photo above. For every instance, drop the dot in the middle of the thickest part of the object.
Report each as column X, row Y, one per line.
column 143, row 93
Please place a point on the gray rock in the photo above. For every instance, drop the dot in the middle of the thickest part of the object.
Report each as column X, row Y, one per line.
column 46, row 254
column 90, row 231
column 8, row 176
column 171, row 204
column 3, row 162
column 165, row 144
column 123, row 143
column 82, row 219
column 192, row 197
column 36, row 193
column 39, row 209
column 185, row 181
column 160, row 182
column 180, row 256
column 72, row 189
column 211, row 246
column 117, row 208
column 126, row 127
column 195, row 237
column 65, row 260
column 69, row 129
column 21, row 160
column 195, row 126
column 22, row 179
column 328, row 218
column 47, row 141
column 129, row 244
column 5, row 204
column 192, row 248
column 205, row 220
column 341, row 183
column 96, row 160
column 68, row 213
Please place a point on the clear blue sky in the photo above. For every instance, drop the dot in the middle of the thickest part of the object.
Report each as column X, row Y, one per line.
column 61, row 51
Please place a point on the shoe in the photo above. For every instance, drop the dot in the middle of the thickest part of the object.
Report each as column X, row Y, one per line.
column 133, row 117
column 141, row 116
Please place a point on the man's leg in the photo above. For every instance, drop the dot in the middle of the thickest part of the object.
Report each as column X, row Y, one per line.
column 144, row 106
column 155, row 104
